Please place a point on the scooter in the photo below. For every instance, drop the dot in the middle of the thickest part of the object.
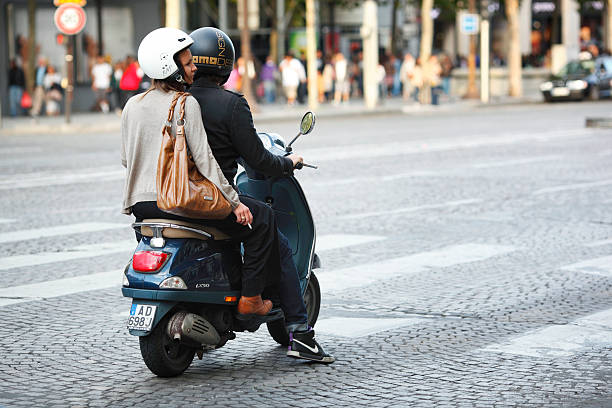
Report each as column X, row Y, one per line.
column 184, row 278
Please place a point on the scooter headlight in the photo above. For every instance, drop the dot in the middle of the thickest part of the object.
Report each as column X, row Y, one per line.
column 173, row 282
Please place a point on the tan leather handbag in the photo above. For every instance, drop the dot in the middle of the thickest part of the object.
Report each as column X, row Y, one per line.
column 181, row 189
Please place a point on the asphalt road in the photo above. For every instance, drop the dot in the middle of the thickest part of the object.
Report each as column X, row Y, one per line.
column 466, row 262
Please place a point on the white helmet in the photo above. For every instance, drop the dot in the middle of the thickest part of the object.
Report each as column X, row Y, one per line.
column 157, row 50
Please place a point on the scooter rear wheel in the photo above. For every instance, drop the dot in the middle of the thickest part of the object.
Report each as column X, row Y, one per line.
column 162, row 355
column 312, row 299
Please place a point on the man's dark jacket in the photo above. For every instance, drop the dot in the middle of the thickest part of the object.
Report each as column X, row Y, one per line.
column 231, row 134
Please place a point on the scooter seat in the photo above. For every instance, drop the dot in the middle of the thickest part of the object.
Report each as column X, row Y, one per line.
column 168, row 232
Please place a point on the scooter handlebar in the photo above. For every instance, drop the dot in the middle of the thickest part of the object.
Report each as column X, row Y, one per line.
column 299, row 165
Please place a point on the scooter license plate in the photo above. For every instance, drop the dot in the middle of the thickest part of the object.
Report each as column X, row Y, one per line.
column 141, row 317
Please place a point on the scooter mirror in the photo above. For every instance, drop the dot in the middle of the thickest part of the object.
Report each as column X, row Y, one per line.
column 308, row 122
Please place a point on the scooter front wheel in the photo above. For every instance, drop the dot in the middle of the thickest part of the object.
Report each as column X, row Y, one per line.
column 312, row 299
column 162, row 355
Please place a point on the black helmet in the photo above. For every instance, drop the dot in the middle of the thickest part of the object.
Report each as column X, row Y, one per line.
column 213, row 52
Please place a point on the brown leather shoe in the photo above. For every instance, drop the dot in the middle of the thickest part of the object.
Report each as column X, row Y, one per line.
column 254, row 305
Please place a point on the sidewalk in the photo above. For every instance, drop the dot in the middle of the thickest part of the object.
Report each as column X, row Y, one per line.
column 101, row 123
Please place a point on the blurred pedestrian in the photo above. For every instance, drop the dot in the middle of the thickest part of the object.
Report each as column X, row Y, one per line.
column 39, row 90
column 406, row 72
column 327, row 79
column 431, row 78
column 396, row 84
column 53, row 91
column 342, row 85
column 292, row 74
column 302, row 92
column 447, row 68
column 16, row 84
column 114, row 86
column 268, row 76
column 417, row 79
column 381, row 79
column 233, row 81
column 130, row 80
column 101, row 73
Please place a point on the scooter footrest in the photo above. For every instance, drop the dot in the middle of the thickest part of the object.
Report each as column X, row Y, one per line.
column 252, row 322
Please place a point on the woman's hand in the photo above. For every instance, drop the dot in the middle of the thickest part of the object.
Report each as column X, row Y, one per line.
column 243, row 214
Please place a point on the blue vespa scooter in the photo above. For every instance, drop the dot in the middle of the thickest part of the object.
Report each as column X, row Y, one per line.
column 184, row 278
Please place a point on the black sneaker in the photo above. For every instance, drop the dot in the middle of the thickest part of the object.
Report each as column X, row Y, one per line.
column 303, row 345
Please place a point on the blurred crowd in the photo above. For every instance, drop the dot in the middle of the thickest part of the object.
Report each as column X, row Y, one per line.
column 339, row 79
column 112, row 85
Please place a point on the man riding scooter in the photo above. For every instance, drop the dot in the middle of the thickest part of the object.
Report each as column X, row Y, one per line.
column 232, row 137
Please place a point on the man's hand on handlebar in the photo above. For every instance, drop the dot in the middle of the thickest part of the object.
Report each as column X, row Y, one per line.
column 296, row 159
column 243, row 215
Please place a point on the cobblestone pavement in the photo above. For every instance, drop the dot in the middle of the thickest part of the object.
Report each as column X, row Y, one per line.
column 483, row 276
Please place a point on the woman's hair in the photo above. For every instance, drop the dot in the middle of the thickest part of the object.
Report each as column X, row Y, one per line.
column 167, row 84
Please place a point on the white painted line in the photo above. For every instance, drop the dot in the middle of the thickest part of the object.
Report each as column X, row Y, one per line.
column 392, row 177
column 411, row 209
column 60, row 287
column 335, row 241
column 364, row 275
column 6, row 220
column 83, row 251
column 570, row 187
column 57, row 230
column 19, row 149
column 587, row 333
column 25, row 181
column 597, row 266
column 360, row 327
column 514, row 162
column 375, row 150
column 599, row 243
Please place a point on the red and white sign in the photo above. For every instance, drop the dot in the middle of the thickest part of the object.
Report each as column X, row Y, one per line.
column 70, row 18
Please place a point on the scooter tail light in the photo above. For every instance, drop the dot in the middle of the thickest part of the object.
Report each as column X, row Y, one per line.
column 148, row 261
column 173, row 282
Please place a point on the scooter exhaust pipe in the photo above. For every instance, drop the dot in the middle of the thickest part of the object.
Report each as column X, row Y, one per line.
column 185, row 326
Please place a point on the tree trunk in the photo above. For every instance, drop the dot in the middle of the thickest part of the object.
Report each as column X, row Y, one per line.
column 608, row 26
column 514, row 53
column 30, row 64
column 426, row 45
column 245, row 40
column 394, row 27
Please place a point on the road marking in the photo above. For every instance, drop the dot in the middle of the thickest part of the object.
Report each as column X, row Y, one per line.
column 570, row 187
column 60, row 287
column 587, row 333
column 19, row 149
column 392, row 177
column 57, row 230
column 335, row 241
column 411, row 209
column 596, row 266
column 514, row 162
column 375, row 150
column 46, row 179
column 360, row 327
column 366, row 274
column 599, row 243
column 79, row 252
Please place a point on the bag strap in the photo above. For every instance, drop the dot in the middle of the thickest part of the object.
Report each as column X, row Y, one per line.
column 173, row 106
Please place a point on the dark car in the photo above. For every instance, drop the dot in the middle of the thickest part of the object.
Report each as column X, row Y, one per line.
column 580, row 79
